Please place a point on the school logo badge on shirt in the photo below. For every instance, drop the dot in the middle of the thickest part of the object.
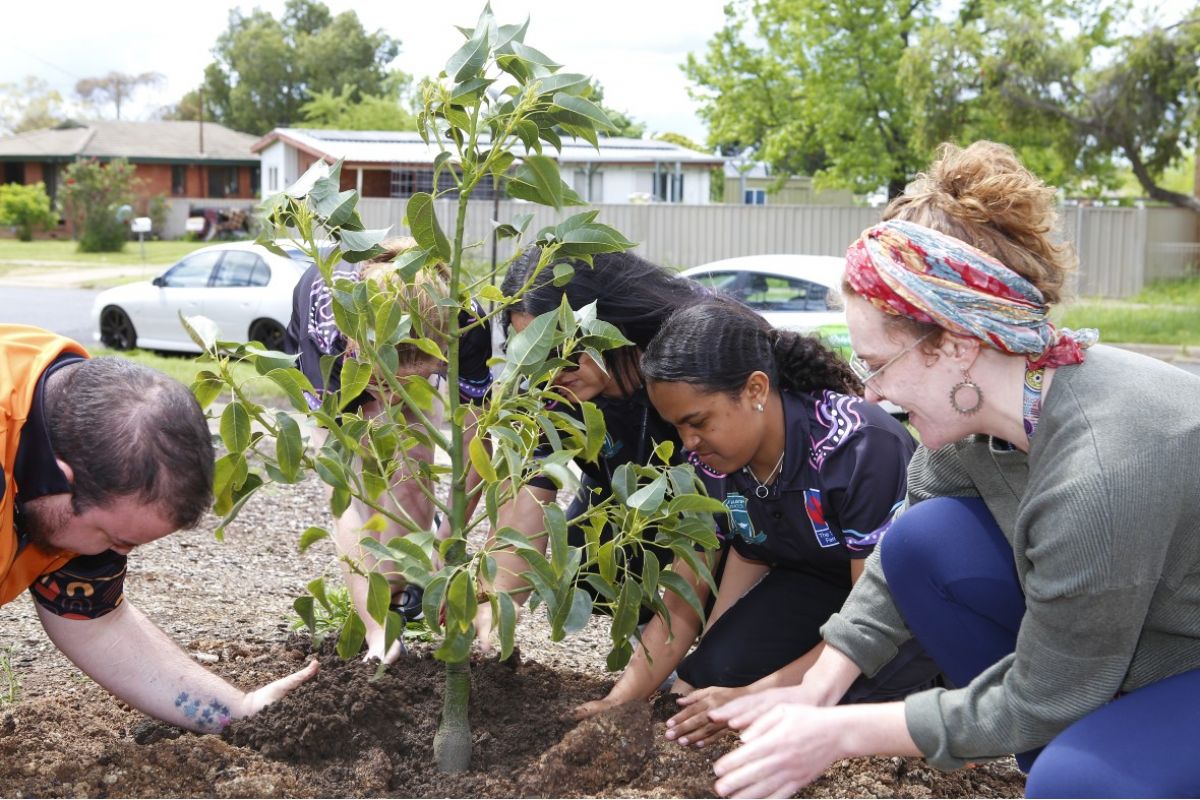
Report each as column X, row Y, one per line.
column 816, row 515
column 742, row 526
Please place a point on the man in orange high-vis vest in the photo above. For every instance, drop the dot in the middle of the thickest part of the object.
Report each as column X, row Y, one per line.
column 98, row 456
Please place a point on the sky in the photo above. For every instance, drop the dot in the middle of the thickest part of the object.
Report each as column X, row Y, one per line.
column 633, row 47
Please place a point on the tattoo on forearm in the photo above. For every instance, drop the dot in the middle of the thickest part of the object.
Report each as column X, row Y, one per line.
column 210, row 718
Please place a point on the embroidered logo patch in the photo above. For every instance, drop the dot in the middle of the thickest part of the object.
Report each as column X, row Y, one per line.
column 816, row 515
column 741, row 520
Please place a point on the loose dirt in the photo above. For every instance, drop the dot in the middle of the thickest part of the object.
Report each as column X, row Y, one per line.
column 348, row 732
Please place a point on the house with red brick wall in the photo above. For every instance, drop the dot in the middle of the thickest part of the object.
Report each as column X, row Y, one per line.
column 196, row 167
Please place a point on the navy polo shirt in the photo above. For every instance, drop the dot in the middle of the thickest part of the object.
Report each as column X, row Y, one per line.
column 842, row 482
column 87, row 586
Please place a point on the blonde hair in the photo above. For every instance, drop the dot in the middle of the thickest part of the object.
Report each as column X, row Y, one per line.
column 420, row 296
column 985, row 196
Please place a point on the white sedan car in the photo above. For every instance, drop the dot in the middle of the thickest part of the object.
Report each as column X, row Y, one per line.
column 242, row 287
column 800, row 293
column 795, row 292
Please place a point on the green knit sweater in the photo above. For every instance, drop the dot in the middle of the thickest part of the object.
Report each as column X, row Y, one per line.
column 1103, row 516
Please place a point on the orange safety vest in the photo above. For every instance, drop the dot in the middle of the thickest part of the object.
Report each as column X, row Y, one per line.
column 25, row 353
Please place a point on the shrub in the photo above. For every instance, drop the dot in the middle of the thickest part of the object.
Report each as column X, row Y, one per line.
column 26, row 208
column 92, row 194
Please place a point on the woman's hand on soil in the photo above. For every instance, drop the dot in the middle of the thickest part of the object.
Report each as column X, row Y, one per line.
column 693, row 725
column 594, row 707
column 784, row 750
column 375, row 649
column 260, row 698
column 742, row 711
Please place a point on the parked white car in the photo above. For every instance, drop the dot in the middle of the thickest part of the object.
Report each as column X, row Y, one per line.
column 242, row 287
column 796, row 292
column 791, row 291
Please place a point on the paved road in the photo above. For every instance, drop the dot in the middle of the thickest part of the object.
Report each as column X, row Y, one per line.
column 64, row 311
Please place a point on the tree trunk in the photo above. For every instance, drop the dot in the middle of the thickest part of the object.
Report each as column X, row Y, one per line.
column 1155, row 191
column 452, row 744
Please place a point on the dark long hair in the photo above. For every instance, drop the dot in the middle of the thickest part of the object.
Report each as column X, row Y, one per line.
column 716, row 344
column 632, row 294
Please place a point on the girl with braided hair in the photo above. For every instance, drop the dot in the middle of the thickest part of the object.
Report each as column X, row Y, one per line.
column 811, row 476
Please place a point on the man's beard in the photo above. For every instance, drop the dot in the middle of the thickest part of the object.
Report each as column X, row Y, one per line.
column 41, row 518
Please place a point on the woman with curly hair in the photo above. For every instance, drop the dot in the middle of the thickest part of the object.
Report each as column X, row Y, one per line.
column 811, row 476
column 1048, row 557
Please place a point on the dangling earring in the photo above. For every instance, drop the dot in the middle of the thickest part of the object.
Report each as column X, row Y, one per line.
column 969, row 385
column 759, row 407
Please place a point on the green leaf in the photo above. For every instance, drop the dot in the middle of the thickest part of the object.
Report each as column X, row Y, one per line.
column 316, row 588
column 460, row 601
column 530, row 347
column 624, row 482
column 207, row 387
column 456, row 647
column 580, row 613
column 355, row 376
column 675, row 583
column 593, row 423
column 293, row 383
column 507, row 34
column 533, row 56
column 431, row 602
column 569, row 82
column 592, row 239
column 538, row 181
column 556, row 526
column 664, row 450
column 422, row 221
column 625, row 617
column 201, row 330
column 358, row 246
column 563, row 272
column 470, row 89
column 469, row 59
column 481, row 460
column 333, row 473
column 606, row 562
column 696, row 503
column 577, row 111
column 311, row 536
column 408, row 263
column 507, row 623
column 619, row 656
column 392, row 629
column 350, row 640
column 649, row 497
column 289, row 448
column 304, row 608
column 235, row 427
column 650, row 572
column 379, row 596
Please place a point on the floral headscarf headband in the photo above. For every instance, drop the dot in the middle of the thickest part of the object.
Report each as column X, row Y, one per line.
column 912, row 271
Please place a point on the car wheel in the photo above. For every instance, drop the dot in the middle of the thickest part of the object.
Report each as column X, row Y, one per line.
column 116, row 329
column 268, row 333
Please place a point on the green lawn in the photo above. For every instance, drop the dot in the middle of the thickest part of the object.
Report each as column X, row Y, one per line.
column 183, row 368
column 15, row 253
column 1165, row 312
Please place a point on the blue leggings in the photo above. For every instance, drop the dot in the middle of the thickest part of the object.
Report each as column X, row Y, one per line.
column 952, row 575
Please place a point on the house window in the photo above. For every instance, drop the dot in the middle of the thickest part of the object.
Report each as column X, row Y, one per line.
column 255, row 178
column 407, row 182
column 14, row 172
column 178, row 180
column 222, row 181
column 668, row 187
column 755, row 197
column 272, row 179
column 50, row 178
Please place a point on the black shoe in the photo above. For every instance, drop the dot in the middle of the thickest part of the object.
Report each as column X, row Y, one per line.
column 408, row 603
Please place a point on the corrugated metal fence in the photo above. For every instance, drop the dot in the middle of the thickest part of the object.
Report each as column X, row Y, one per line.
column 1119, row 248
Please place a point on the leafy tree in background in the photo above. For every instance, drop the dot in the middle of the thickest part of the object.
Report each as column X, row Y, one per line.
column 115, row 87
column 859, row 95
column 91, row 195
column 267, row 68
column 26, row 207
column 339, row 111
column 29, row 106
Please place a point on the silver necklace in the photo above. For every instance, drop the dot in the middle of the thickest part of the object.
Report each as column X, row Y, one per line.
column 761, row 489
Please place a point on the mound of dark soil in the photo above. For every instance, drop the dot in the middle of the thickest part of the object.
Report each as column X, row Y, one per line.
column 350, row 733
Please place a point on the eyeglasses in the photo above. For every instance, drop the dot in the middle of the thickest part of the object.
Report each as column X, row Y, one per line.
column 864, row 373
